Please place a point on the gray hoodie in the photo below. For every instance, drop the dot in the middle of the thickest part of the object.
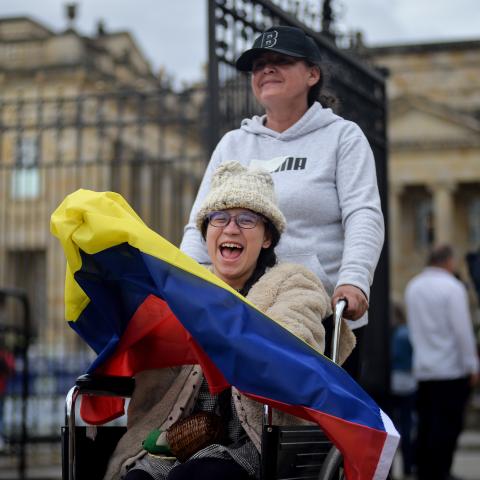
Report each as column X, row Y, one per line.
column 324, row 175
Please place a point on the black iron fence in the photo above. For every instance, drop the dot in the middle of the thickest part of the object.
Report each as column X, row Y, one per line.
column 148, row 146
column 360, row 96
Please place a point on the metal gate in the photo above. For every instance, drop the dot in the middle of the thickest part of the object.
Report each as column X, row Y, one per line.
column 148, row 146
column 360, row 90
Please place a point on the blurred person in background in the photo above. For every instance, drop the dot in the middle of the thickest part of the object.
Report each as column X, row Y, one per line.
column 403, row 388
column 473, row 264
column 7, row 368
column 445, row 360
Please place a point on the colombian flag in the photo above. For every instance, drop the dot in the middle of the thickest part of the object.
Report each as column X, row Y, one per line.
column 141, row 303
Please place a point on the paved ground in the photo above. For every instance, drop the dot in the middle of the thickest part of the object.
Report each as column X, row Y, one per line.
column 467, row 458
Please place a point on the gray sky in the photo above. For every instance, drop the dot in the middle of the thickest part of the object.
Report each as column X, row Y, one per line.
column 173, row 32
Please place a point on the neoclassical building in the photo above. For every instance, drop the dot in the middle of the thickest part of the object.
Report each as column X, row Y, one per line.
column 434, row 157
column 82, row 111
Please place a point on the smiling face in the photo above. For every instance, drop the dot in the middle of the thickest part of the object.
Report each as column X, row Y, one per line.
column 234, row 251
column 278, row 78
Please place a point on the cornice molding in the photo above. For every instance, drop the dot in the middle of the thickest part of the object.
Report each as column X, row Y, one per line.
column 405, row 103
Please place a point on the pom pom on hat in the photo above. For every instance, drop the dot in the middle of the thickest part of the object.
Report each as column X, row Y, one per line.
column 236, row 186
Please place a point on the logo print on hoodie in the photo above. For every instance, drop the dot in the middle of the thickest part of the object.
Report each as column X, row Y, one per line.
column 292, row 163
column 281, row 164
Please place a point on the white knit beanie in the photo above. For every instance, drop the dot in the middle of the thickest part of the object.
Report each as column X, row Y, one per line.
column 235, row 186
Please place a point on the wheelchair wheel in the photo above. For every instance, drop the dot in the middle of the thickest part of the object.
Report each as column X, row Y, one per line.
column 332, row 468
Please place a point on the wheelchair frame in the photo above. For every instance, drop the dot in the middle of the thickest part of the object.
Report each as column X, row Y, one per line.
column 288, row 453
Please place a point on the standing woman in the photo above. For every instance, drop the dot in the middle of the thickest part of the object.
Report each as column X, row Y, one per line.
column 322, row 166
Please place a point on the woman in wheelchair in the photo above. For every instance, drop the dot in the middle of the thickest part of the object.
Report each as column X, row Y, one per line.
column 176, row 428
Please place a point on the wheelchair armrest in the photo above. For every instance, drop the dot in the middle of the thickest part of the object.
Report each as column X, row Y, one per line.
column 294, row 452
column 105, row 385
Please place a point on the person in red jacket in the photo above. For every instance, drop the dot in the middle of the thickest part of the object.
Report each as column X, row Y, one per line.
column 7, row 367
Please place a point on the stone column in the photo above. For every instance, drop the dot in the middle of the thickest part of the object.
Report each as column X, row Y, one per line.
column 395, row 220
column 395, row 233
column 443, row 206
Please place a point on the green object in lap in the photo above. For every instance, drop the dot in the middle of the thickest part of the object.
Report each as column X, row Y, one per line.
column 156, row 442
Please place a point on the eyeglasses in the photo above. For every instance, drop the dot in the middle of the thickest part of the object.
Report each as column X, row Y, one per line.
column 243, row 220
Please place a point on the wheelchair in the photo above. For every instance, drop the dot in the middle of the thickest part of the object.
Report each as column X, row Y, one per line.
column 287, row 452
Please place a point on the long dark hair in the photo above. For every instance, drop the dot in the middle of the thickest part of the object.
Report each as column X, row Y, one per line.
column 266, row 259
column 318, row 91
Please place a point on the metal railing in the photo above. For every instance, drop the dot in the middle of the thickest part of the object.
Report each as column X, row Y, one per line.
column 147, row 146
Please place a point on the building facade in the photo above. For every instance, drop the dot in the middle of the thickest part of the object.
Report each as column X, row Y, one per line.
column 434, row 157
column 84, row 112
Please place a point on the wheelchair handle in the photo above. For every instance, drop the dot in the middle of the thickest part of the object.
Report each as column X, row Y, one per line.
column 88, row 384
column 340, row 307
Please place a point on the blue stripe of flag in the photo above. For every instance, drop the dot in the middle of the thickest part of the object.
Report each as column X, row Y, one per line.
column 253, row 352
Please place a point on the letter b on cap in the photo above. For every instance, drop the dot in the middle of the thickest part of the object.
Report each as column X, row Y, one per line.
column 269, row 39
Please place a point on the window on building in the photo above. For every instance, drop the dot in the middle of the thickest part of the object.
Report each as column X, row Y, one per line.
column 26, row 176
column 474, row 223
column 424, row 231
column 27, row 270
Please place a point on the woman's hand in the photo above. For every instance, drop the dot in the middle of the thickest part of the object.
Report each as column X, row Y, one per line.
column 357, row 303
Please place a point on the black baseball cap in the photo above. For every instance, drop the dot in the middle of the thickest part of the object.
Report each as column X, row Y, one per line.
column 281, row 39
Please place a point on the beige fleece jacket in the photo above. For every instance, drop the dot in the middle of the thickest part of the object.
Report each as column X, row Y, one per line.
column 289, row 294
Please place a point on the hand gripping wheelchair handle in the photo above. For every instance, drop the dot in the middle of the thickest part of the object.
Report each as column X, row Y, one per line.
column 337, row 325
